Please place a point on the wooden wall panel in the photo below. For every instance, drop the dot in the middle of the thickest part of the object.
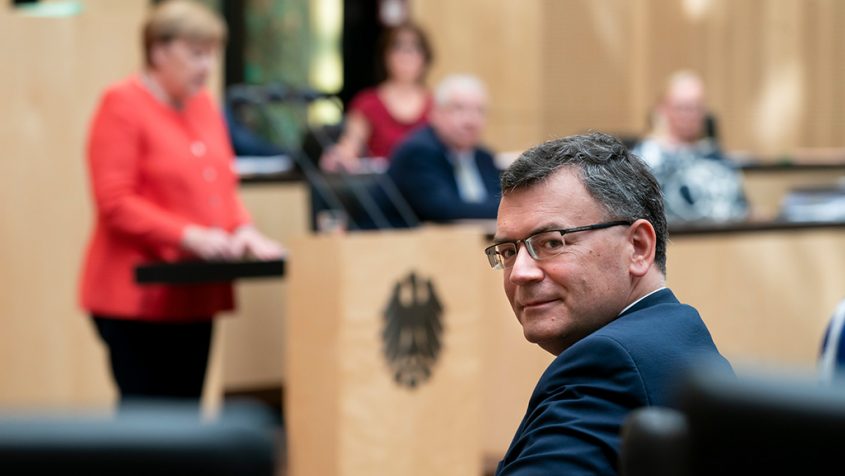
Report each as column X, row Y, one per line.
column 579, row 92
column 49, row 354
column 824, row 39
column 837, row 96
column 774, row 69
column 498, row 40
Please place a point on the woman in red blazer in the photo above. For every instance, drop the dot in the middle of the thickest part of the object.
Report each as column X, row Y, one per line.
column 161, row 170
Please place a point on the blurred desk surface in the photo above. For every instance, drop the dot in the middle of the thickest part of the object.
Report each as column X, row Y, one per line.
column 271, row 178
column 798, row 159
column 790, row 166
column 768, row 183
column 703, row 228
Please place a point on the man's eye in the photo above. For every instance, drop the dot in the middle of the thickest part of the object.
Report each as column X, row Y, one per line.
column 507, row 252
column 551, row 244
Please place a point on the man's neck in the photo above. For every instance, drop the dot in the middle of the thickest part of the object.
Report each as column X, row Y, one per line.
column 634, row 302
column 452, row 148
column 651, row 282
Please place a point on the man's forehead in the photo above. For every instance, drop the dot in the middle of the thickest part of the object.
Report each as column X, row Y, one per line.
column 463, row 96
column 560, row 201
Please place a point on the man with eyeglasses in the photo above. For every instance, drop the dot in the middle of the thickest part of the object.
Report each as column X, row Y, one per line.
column 581, row 239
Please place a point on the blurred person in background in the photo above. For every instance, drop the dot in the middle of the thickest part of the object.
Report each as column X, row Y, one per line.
column 160, row 166
column 381, row 116
column 441, row 169
column 699, row 183
column 831, row 360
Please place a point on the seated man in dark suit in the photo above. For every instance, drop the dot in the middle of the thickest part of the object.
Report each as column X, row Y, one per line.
column 441, row 169
column 581, row 239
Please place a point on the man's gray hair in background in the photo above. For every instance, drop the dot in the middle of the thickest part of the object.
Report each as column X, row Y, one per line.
column 457, row 82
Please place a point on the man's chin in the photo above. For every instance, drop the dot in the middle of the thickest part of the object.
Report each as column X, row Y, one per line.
column 469, row 143
column 537, row 336
column 551, row 344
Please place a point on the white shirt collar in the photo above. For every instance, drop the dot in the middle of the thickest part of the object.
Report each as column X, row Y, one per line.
column 629, row 306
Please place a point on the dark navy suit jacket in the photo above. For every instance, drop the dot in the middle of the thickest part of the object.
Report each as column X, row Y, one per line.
column 575, row 414
column 421, row 169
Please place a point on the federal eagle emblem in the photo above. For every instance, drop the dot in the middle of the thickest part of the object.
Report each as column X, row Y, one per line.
column 412, row 332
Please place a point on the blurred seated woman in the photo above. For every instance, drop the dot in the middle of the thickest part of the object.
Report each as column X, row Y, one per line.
column 380, row 117
column 160, row 167
column 698, row 180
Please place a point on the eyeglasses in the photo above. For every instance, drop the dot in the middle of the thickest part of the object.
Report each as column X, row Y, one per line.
column 542, row 245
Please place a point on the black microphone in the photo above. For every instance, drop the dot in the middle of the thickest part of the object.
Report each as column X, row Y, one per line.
column 274, row 92
column 282, row 93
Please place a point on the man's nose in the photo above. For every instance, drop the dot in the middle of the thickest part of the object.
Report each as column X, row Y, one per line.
column 525, row 269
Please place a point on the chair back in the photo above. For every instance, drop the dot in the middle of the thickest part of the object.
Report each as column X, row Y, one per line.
column 654, row 443
column 160, row 439
column 726, row 425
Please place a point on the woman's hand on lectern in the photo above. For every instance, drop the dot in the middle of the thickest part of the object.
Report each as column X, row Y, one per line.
column 208, row 243
column 249, row 242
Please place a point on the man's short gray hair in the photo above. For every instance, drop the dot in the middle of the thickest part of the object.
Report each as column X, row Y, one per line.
column 457, row 82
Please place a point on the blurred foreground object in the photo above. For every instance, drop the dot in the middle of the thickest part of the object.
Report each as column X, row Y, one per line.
column 738, row 426
column 161, row 439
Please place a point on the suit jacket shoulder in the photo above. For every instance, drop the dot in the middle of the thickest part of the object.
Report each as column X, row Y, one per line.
column 664, row 338
column 572, row 423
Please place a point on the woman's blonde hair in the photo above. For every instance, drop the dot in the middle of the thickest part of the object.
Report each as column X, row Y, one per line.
column 181, row 19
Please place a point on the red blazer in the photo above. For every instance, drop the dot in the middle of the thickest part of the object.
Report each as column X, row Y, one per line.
column 153, row 171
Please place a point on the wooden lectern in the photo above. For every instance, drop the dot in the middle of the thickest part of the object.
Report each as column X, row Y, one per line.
column 383, row 353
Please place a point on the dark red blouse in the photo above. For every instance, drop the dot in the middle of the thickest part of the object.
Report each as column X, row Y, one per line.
column 386, row 130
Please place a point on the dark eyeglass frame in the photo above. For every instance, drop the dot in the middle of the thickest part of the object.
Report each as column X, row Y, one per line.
column 497, row 262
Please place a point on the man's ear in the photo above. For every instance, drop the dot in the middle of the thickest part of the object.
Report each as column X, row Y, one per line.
column 643, row 240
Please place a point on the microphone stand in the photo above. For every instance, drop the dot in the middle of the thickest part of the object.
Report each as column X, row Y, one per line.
column 394, row 196
column 261, row 96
